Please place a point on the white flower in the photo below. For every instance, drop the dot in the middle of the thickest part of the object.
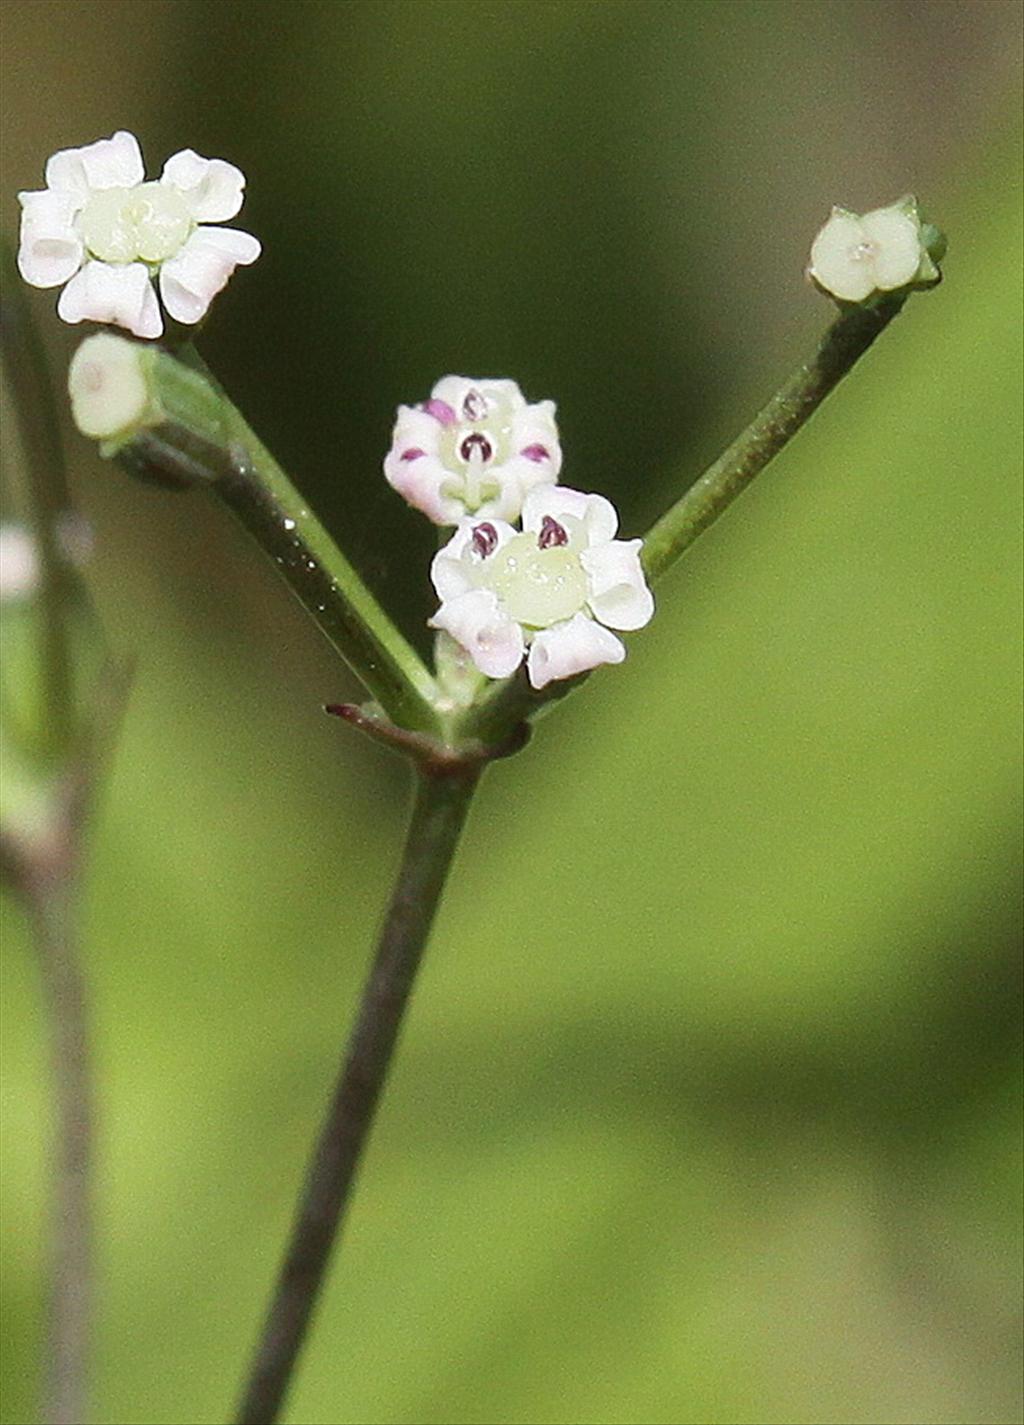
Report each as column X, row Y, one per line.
column 852, row 256
column 102, row 229
column 551, row 592
column 475, row 447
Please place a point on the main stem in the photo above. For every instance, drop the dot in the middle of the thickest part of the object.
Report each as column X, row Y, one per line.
column 439, row 813
column 52, row 913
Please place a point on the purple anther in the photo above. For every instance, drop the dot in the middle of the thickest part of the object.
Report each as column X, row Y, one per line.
column 536, row 453
column 473, row 442
column 474, row 405
column 412, row 454
column 440, row 410
column 551, row 534
column 485, row 539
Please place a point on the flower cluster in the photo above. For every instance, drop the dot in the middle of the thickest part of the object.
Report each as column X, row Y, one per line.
column 473, row 448
column 99, row 227
column 477, row 456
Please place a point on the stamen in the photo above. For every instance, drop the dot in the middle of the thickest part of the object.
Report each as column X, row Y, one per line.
column 485, row 540
column 474, row 405
column 551, row 534
column 413, row 453
column 536, row 453
column 476, row 444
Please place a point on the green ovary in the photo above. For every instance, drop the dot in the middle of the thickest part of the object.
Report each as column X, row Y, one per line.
column 149, row 222
column 538, row 587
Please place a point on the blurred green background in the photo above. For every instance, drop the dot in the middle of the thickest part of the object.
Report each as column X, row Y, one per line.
column 708, row 1109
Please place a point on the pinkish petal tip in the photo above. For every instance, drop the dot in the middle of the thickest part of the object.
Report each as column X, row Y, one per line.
column 440, row 410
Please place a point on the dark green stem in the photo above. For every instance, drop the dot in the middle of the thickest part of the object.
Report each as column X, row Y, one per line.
column 768, row 433
column 439, row 813
column 201, row 438
column 770, row 430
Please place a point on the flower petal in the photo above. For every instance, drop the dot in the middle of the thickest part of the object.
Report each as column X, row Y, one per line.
column 596, row 513
column 452, row 571
column 212, row 187
column 190, row 281
column 619, row 595
column 897, row 240
column 835, row 264
column 571, row 647
column 50, row 250
column 120, row 295
column 415, row 430
column 476, row 621
column 419, row 481
column 108, row 163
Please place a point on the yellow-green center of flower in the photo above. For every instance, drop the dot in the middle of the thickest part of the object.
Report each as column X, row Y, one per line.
column 538, row 587
column 149, row 222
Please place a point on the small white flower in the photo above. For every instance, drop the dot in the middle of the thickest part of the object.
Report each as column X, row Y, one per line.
column 102, row 229
column 852, row 256
column 551, row 592
column 475, row 448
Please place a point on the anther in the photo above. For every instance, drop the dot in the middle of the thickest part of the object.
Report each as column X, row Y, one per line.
column 474, row 405
column 476, row 444
column 485, row 540
column 551, row 534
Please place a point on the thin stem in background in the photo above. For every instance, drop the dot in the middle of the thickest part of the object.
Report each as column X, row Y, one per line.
column 45, row 491
column 52, row 915
column 439, row 813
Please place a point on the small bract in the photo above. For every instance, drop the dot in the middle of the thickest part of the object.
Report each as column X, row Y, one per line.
column 551, row 592
column 853, row 257
column 474, row 448
column 99, row 227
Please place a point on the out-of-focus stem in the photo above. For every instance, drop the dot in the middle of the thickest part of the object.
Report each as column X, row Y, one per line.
column 46, row 496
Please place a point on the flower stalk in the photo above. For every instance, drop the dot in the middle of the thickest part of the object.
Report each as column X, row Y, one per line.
column 442, row 802
column 184, row 431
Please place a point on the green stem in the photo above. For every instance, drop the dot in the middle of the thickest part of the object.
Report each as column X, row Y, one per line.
column 203, row 438
column 769, row 432
column 439, row 813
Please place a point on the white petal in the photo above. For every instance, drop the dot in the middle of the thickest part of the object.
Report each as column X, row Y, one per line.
column 419, row 481
column 212, row 187
column 453, row 390
column 535, row 433
column 416, row 430
column 451, row 573
column 119, row 295
column 897, row 240
column 834, row 263
column 190, row 281
column 572, row 647
column 619, row 595
column 108, row 163
column 597, row 514
column 476, row 621
column 50, row 250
